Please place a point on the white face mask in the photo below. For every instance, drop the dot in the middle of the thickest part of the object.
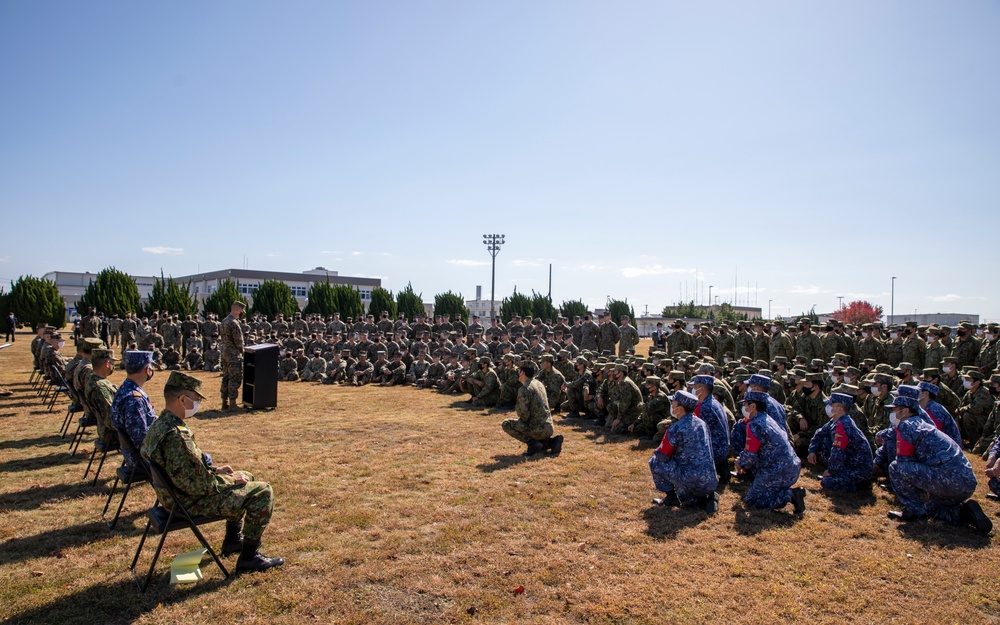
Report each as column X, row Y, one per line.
column 829, row 411
column 188, row 413
column 867, row 335
column 894, row 335
column 849, row 380
column 967, row 383
column 979, row 332
column 774, row 329
column 949, row 369
column 746, row 412
column 874, row 390
column 61, row 343
column 893, row 419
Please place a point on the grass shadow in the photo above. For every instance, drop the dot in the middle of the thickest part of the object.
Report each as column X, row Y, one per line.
column 663, row 522
column 942, row 534
column 750, row 522
column 35, row 496
column 113, row 603
column 850, row 503
column 50, row 543
column 39, row 441
column 505, row 461
column 42, row 462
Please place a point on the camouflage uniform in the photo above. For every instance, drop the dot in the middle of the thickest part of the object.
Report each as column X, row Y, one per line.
column 132, row 413
column 231, row 347
column 628, row 339
column 930, row 464
column 973, row 414
column 171, row 446
column 553, row 382
column 711, row 412
column 808, row 346
column 684, row 461
column 100, row 395
column 534, row 421
column 315, row 370
column 624, row 405
column 489, row 394
column 770, row 456
column 846, row 452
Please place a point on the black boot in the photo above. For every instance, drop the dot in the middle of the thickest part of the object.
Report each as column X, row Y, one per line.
column 971, row 513
column 233, row 542
column 555, row 444
column 709, row 503
column 225, row 403
column 670, row 499
column 533, row 448
column 799, row 500
column 722, row 469
column 252, row 560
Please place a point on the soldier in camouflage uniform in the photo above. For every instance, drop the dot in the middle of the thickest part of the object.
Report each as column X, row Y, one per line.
column 533, row 425
column 131, row 410
column 488, row 386
column 231, row 347
column 509, row 381
column 553, row 381
column 100, row 394
column 711, row 412
column 842, row 447
column 315, row 370
column 90, row 326
column 683, row 466
column 203, row 488
column 931, row 476
column 628, row 337
column 624, row 401
column 655, row 408
column 974, row 411
column 770, row 456
column 807, row 344
column 578, row 387
column 965, row 350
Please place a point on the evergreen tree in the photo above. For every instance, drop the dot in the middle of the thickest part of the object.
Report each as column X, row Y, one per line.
column 619, row 309
column 451, row 304
column 517, row 304
column 541, row 306
column 322, row 299
column 221, row 301
column 168, row 296
column 382, row 301
column 574, row 308
column 112, row 292
column 36, row 302
column 409, row 303
column 273, row 297
column 348, row 302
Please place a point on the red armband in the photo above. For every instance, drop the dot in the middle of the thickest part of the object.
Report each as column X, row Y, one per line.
column 753, row 443
column 840, row 439
column 665, row 447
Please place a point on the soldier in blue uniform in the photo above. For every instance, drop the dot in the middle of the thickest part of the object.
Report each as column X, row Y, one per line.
column 842, row 447
column 931, row 475
column 683, row 466
column 943, row 420
column 768, row 453
column 711, row 412
column 993, row 468
column 762, row 384
column 131, row 410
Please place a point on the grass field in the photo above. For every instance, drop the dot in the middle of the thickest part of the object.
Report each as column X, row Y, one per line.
column 395, row 505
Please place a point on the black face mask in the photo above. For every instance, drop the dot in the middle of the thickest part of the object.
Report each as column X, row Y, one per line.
column 995, row 391
column 149, row 376
column 961, row 332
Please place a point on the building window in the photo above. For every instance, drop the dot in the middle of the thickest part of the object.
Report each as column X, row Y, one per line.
column 299, row 291
column 246, row 288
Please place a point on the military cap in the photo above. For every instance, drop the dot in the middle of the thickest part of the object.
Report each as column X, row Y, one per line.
column 930, row 388
column 705, row 348
column 841, row 357
column 814, row 377
column 779, row 322
column 103, row 353
column 781, row 360
column 905, row 366
column 364, row 354
column 884, row 368
column 707, row 380
column 652, row 380
column 755, row 397
column 678, row 323
column 609, row 367
column 966, row 325
column 55, row 334
column 547, row 358
column 852, row 371
column 906, row 390
column 238, row 304
column 509, row 356
column 185, row 382
column 89, row 344
column 816, row 362
column 760, row 380
column 677, row 375
column 950, row 360
column 483, row 360
column 621, row 367
column 799, row 372
column 135, row 360
column 471, row 352
column 706, row 369
column 688, row 400
column 581, row 360
column 564, row 352
column 691, row 359
column 740, row 378
column 882, row 378
column 901, row 401
column 869, row 362
column 975, row 374
column 840, row 398
column 745, row 360
column 847, row 389
column 805, row 321
column 932, row 372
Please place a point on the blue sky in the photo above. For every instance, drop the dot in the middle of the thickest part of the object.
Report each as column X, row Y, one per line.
column 813, row 149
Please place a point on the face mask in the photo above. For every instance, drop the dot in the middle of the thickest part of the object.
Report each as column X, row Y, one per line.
column 949, row 369
column 678, row 412
column 725, row 360
column 829, row 411
column 774, row 329
column 893, row 419
column 894, row 335
column 61, row 343
column 931, row 339
column 979, row 332
column 867, row 335
column 961, row 332
column 746, row 412
column 149, row 375
column 967, row 384
column 191, row 411
column 994, row 391
column 874, row 390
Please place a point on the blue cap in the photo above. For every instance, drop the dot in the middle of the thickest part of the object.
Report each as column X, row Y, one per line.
column 707, row 380
column 840, row 398
column 136, row 361
column 760, row 380
column 912, row 392
column 686, row 399
column 755, row 397
column 930, row 388
column 901, row 401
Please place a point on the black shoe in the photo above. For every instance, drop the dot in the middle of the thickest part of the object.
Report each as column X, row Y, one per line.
column 533, row 448
column 904, row 515
column 992, row 496
column 252, row 560
column 972, row 514
column 233, row 542
column 709, row 503
column 670, row 499
column 573, row 415
column 799, row 500
column 555, row 444
column 722, row 468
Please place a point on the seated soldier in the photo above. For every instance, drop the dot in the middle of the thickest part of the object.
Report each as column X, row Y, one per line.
column 362, row 371
column 172, row 359
column 100, row 394
column 212, row 358
column 842, row 446
column 488, row 386
column 193, row 361
column 205, row 489
column 769, row 454
column 336, row 370
column 315, row 369
column 288, row 368
column 683, row 466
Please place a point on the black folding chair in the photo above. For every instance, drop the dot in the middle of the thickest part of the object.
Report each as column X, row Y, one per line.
column 137, row 475
column 83, row 423
column 62, row 387
column 104, row 449
column 169, row 520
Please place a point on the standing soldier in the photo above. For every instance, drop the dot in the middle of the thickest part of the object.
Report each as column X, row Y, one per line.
column 807, row 345
column 231, row 344
column 629, row 337
column 90, row 327
column 114, row 331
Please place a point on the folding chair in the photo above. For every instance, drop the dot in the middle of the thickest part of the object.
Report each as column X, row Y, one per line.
column 83, row 423
column 137, row 475
column 64, row 387
column 170, row 520
column 104, row 449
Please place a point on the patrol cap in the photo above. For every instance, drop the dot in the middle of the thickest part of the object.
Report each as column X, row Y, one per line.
column 754, row 397
column 901, row 401
column 840, row 398
column 677, row 375
column 905, row 390
column 816, row 362
column 975, row 374
column 847, row 389
column 89, row 344
column 852, row 371
column 932, row 372
column 621, row 367
column 581, row 360
column 483, row 360
column 884, row 368
column 706, row 369
column 759, row 380
column 707, row 380
column 950, row 360
column 905, row 366
column 102, row 353
column 881, row 378
column 931, row 388
column 238, row 304
column 136, row 360
column 547, row 358
column 652, row 380
column 185, row 382
column 688, row 400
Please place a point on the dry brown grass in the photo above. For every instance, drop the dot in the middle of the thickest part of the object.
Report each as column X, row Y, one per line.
column 402, row 506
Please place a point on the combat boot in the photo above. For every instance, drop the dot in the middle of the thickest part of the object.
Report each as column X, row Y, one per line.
column 233, row 542
column 533, row 448
column 225, row 403
column 709, row 503
column 799, row 500
column 670, row 499
column 971, row 513
column 555, row 444
column 252, row 560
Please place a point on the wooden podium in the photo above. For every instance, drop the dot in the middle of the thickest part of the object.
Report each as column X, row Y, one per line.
column 260, row 376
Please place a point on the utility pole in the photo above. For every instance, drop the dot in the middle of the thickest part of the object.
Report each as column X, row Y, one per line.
column 892, row 302
column 710, row 309
column 769, row 308
column 840, row 302
column 493, row 243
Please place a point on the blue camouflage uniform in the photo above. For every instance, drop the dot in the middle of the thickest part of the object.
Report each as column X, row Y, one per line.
column 775, row 410
column 132, row 412
column 711, row 412
column 992, row 455
column 929, row 463
column 845, row 449
column 942, row 419
column 768, row 452
column 684, row 462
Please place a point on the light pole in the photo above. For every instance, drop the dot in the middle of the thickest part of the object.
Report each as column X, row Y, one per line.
column 710, row 309
column 769, row 308
column 892, row 301
column 493, row 243
column 840, row 302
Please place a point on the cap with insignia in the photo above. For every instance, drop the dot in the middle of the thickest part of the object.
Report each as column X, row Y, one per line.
column 707, row 380
column 901, row 401
column 136, row 360
column 686, row 399
column 755, row 397
column 840, row 398
column 185, row 382
column 760, row 380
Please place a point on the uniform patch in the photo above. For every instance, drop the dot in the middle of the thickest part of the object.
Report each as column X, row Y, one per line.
column 136, row 393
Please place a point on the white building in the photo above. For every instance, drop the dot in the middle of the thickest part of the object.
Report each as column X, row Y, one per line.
column 481, row 307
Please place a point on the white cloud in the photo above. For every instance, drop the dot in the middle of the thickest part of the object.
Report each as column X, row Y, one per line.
column 386, row 254
column 4, row 259
column 657, row 269
column 162, row 249
column 356, row 253
column 950, row 297
column 331, row 252
column 812, row 289
column 464, row 262
column 521, row 262
column 272, row 254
